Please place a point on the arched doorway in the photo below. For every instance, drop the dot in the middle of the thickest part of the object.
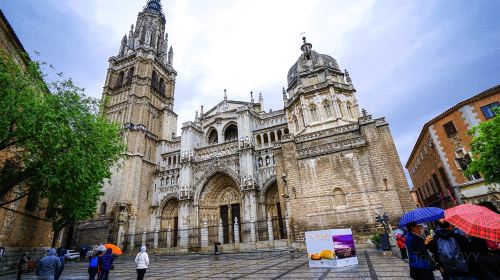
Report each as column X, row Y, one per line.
column 220, row 201
column 170, row 217
column 273, row 208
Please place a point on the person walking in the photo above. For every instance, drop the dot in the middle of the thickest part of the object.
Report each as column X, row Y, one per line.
column 400, row 241
column 421, row 264
column 450, row 250
column 142, row 263
column 21, row 266
column 105, row 265
column 48, row 266
column 93, row 266
column 61, row 253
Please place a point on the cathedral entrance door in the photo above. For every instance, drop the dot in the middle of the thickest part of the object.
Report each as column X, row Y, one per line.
column 227, row 215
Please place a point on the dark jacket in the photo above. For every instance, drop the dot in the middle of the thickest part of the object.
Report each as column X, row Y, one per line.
column 418, row 256
column 107, row 260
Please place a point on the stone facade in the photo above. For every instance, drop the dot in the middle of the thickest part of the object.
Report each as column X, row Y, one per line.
column 237, row 174
column 22, row 228
column 442, row 153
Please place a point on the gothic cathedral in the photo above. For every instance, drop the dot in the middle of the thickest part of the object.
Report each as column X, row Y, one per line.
column 239, row 175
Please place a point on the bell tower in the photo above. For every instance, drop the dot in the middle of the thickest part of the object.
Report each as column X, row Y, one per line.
column 139, row 95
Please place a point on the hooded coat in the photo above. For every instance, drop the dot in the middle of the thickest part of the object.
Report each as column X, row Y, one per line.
column 142, row 259
column 49, row 265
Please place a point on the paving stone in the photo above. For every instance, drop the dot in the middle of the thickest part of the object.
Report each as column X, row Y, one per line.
column 244, row 266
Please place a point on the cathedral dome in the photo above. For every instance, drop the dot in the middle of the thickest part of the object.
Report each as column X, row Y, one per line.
column 310, row 58
column 154, row 6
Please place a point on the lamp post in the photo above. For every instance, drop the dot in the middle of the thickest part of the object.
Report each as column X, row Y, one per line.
column 386, row 246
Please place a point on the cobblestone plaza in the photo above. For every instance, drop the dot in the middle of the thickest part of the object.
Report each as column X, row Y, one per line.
column 264, row 265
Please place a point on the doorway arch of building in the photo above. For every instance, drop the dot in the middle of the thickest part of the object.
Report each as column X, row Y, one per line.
column 218, row 202
column 274, row 209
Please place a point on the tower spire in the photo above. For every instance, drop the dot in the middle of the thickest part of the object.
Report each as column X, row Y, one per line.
column 225, row 94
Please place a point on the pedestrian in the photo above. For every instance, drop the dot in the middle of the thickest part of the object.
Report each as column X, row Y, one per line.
column 48, row 266
column 400, row 241
column 93, row 266
column 22, row 265
column 61, row 253
column 451, row 251
column 141, row 263
column 421, row 263
column 105, row 265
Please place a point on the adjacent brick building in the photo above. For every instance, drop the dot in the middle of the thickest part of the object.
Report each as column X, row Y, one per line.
column 442, row 153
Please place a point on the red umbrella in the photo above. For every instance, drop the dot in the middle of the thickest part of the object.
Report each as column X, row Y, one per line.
column 475, row 220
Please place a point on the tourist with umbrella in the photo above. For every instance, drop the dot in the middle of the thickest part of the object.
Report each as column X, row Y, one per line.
column 482, row 225
column 421, row 263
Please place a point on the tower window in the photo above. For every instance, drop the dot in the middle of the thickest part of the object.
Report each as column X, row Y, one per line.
column 119, row 80
column 130, row 73
column 32, row 201
column 349, row 110
column 314, row 112
column 154, row 80
column 328, row 108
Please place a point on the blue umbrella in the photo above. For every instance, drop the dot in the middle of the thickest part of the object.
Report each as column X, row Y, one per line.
column 422, row 215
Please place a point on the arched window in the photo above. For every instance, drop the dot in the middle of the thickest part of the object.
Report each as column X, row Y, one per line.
column 154, row 80
column 162, row 87
column 130, row 73
column 103, row 209
column 328, row 108
column 268, row 161
column 279, row 134
column 286, row 130
column 314, row 112
column 175, row 160
column 119, row 80
column 266, row 139
column 169, row 160
column 273, row 137
column 339, row 103
column 143, row 34
column 231, row 132
column 261, row 162
column 296, row 123
column 172, row 180
column 162, row 182
column 349, row 110
column 212, row 137
column 177, row 179
column 339, row 197
column 259, row 140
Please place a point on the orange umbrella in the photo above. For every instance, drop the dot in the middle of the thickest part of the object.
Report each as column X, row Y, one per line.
column 115, row 249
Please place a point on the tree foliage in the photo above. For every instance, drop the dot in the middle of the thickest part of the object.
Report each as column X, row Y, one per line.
column 56, row 141
column 485, row 147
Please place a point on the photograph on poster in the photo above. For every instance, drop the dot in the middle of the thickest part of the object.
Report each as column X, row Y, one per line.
column 330, row 248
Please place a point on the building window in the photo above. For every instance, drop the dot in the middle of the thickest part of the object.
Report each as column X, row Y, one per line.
column 349, row 110
column 231, row 133
column 450, row 129
column 119, row 80
column 339, row 198
column 314, row 113
column 103, row 209
column 296, row 123
column 487, row 110
column 328, row 108
column 212, row 137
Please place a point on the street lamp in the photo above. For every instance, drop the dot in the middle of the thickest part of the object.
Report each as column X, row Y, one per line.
column 385, row 240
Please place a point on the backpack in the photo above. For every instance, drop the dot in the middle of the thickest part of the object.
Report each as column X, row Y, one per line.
column 450, row 256
column 93, row 262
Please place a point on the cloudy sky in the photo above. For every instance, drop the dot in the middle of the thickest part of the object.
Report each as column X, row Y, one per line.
column 409, row 60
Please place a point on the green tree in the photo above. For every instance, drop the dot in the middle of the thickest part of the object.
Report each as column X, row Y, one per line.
column 57, row 143
column 485, row 147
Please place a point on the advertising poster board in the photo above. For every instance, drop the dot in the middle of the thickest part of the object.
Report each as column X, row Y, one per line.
column 330, row 248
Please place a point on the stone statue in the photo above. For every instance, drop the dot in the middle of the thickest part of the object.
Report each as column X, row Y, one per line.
column 122, row 216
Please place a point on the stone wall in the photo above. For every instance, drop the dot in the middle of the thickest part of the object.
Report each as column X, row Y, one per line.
column 12, row 255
